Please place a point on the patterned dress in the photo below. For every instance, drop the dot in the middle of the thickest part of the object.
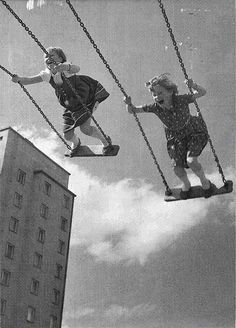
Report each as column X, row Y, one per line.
column 186, row 134
column 90, row 91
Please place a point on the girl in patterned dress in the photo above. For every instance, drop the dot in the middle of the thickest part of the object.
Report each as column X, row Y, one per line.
column 90, row 91
column 186, row 134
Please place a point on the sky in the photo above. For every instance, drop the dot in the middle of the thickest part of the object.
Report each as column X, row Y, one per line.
column 135, row 260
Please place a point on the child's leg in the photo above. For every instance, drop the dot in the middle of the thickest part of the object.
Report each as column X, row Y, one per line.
column 71, row 136
column 93, row 131
column 182, row 175
column 196, row 167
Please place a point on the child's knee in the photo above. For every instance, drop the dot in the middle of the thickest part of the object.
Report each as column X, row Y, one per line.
column 179, row 171
column 69, row 135
column 193, row 163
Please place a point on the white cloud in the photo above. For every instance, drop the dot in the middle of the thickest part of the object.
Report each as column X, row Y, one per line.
column 116, row 312
column 126, row 220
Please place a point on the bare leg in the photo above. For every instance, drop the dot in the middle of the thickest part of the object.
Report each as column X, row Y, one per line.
column 93, row 131
column 71, row 136
column 197, row 169
column 182, row 175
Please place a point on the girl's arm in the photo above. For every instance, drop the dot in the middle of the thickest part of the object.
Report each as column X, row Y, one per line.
column 67, row 67
column 27, row 79
column 198, row 90
column 131, row 108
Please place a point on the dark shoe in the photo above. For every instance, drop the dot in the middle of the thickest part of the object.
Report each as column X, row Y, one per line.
column 185, row 194
column 109, row 148
column 74, row 150
column 208, row 192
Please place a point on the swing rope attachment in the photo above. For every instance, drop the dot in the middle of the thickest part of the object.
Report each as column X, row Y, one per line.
column 38, row 108
column 186, row 77
column 66, row 79
column 168, row 190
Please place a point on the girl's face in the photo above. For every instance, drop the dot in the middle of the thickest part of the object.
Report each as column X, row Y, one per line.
column 161, row 94
column 52, row 57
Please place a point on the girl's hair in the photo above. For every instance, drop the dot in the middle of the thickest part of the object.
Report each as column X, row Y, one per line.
column 164, row 81
column 59, row 52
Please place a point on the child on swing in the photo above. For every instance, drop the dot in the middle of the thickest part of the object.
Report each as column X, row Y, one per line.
column 186, row 135
column 90, row 91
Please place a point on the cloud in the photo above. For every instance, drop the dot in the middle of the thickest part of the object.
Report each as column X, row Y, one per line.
column 116, row 312
column 127, row 220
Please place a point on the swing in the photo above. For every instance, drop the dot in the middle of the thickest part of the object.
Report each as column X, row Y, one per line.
column 94, row 150
column 198, row 192
column 84, row 150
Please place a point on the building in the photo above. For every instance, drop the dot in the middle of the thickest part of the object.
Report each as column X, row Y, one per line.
column 35, row 214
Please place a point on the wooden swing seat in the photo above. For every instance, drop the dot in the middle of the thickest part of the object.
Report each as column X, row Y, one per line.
column 197, row 192
column 93, row 151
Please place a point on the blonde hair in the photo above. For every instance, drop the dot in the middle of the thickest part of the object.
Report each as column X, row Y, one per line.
column 59, row 52
column 164, row 81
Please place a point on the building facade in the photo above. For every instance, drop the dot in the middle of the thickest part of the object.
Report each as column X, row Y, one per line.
column 35, row 223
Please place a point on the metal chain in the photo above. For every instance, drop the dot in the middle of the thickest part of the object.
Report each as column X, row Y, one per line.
column 66, row 80
column 39, row 109
column 186, row 77
column 168, row 190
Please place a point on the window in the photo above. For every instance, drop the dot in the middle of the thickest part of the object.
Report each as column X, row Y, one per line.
column 59, row 269
column 53, row 321
column 64, row 224
column 21, row 176
column 18, row 200
column 44, row 211
column 34, row 287
column 38, row 259
column 13, row 225
column 31, row 314
column 47, row 188
column 61, row 247
column 9, row 252
column 5, row 277
column 56, row 294
column 3, row 306
column 41, row 235
column 66, row 202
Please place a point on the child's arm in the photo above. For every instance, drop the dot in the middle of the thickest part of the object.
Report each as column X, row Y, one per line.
column 131, row 108
column 27, row 79
column 198, row 90
column 67, row 67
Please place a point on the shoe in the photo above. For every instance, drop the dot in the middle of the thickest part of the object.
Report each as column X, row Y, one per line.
column 208, row 192
column 74, row 150
column 185, row 194
column 107, row 149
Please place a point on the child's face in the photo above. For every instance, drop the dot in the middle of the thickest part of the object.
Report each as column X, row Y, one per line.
column 52, row 57
column 160, row 94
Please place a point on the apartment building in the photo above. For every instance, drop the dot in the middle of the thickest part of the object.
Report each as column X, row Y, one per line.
column 35, row 223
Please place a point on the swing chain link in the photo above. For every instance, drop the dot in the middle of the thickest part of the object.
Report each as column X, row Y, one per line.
column 39, row 109
column 66, row 80
column 168, row 190
column 187, row 77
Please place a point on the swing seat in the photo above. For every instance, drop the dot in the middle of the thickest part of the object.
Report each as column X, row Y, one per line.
column 93, row 151
column 197, row 192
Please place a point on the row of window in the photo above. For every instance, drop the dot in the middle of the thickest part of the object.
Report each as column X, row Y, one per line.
column 6, row 275
column 18, row 202
column 34, row 286
column 21, row 176
column 14, row 225
column 10, row 249
column 31, row 314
